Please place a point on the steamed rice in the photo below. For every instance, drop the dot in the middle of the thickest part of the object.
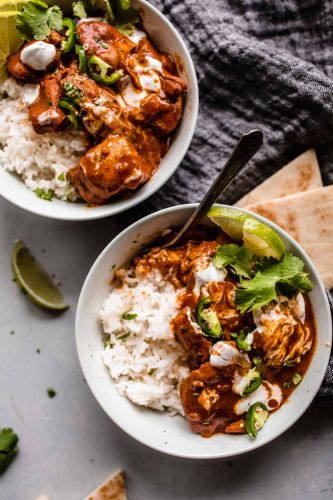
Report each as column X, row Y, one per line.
column 144, row 359
column 38, row 159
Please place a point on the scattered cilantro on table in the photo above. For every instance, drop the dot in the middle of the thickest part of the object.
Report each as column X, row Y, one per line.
column 51, row 392
column 8, row 448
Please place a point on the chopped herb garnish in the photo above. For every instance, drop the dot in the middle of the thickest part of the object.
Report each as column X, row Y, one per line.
column 195, row 394
column 286, row 385
column 297, row 378
column 38, row 351
column 151, row 371
column 8, row 448
column 129, row 316
column 240, row 259
column 289, row 363
column 61, row 177
column 263, row 288
column 51, row 392
column 79, row 9
column 124, row 337
column 104, row 45
column 36, row 20
column 44, row 195
column 72, row 92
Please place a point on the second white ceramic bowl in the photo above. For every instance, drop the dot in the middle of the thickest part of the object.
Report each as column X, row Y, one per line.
column 167, row 39
column 158, row 430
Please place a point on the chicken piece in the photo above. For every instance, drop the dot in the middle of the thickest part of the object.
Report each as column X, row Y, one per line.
column 222, row 294
column 101, row 39
column 100, row 111
column 236, row 427
column 19, row 70
column 154, row 72
column 190, row 336
column 177, row 265
column 166, row 121
column 163, row 116
column 208, row 400
column 24, row 72
column 159, row 100
column 281, row 334
column 44, row 112
column 112, row 167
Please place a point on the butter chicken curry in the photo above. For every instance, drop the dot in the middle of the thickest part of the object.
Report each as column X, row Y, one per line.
column 246, row 352
column 124, row 93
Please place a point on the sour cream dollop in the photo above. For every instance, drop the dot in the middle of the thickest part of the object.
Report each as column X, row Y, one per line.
column 268, row 394
column 225, row 354
column 38, row 55
column 210, row 273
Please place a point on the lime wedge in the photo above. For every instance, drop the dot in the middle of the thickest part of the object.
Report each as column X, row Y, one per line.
column 231, row 220
column 262, row 240
column 10, row 5
column 9, row 38
column 34, row 280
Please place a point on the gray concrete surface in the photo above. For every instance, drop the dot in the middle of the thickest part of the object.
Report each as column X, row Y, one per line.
column 68, row 445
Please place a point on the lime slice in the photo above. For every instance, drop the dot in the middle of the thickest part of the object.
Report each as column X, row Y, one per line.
column 9, row 38
column 262, row 240
column 34, row 280
column 10, row 5
column 231, row 220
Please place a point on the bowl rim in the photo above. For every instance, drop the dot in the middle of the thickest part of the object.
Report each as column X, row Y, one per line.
column 255, row 444
column 108, row 210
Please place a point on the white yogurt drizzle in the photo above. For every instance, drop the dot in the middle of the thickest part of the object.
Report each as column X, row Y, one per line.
column 208, row 274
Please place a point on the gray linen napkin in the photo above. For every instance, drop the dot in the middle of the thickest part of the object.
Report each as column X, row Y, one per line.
column 260, row 64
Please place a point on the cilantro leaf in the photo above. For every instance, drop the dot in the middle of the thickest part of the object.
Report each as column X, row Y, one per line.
column 73, row 93
column 36, row 20
column 263, row 288
column 239, row 258
column 79, row 9
column 8, row 448
column 44, row 195
column 125, row 16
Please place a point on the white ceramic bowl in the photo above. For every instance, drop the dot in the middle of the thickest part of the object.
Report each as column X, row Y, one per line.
column 167, row 39
column 158, row 430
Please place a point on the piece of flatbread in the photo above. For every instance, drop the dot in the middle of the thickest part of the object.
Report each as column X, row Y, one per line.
column 112, row 489
column 301, row 174
column 307, row 217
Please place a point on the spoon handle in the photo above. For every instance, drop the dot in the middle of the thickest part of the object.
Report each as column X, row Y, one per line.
column 244, row 150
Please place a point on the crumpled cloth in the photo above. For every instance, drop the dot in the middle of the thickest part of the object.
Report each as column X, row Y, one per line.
column 260, row 64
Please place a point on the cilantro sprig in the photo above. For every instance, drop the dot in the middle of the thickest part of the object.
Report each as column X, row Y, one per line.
column 240, row 259
column 8, row 448
column 36, row 19
column 271, row 280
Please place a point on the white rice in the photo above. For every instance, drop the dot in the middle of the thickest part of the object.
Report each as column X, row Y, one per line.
column 38, row 159
column 148, row 365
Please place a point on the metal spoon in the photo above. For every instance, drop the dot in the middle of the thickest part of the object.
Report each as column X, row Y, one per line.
column 244, row 150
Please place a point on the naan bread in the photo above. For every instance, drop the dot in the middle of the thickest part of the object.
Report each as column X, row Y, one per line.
column 301, row 174
column 112, row 489
column 307, row 217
